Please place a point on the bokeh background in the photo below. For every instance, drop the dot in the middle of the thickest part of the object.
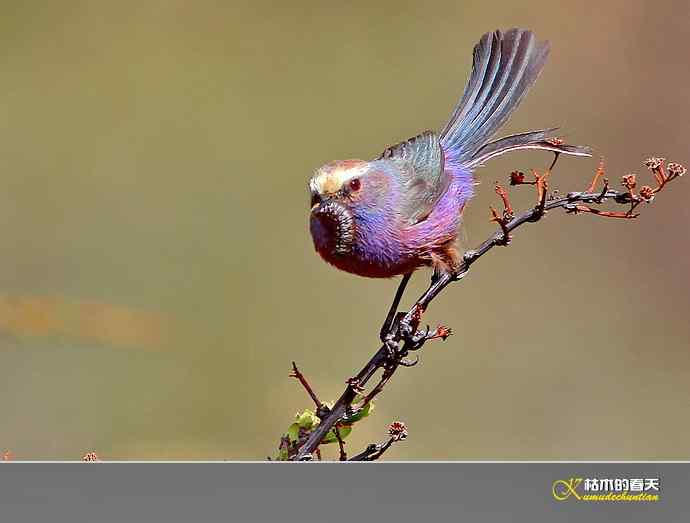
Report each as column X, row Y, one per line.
column 157, row 276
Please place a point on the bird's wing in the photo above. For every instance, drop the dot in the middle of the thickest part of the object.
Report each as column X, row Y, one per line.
column 419, row 161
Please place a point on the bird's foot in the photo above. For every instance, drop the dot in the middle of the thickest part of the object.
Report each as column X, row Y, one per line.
column 390, row 328
column 392, row 352
column 404, row 337
column 407, row 324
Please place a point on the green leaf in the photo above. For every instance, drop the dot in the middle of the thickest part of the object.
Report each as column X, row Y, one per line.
column 361, row 413
column 307, row 420
column 330, row 436
column 282, row 454
column 293, row 432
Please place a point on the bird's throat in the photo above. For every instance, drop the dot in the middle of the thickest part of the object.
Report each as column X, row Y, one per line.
column 333, row 229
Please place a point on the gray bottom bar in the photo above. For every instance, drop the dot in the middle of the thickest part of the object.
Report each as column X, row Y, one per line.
column 320, row 492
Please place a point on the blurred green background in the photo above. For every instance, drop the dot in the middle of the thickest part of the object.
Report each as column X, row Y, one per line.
column 158, row 276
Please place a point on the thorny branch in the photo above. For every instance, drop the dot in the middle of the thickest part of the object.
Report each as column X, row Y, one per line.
column 401, row 335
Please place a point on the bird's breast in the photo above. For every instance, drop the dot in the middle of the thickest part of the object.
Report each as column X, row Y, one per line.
column 352, row 243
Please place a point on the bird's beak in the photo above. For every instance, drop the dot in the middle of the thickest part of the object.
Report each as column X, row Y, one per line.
column 317, row 200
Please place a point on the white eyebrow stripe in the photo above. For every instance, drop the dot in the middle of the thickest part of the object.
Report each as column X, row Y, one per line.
column 345, row 175
column 332, row 181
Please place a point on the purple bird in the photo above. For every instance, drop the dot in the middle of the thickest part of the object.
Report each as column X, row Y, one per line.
column 401, row 211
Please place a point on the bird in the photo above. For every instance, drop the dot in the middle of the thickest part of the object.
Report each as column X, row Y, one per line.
column 401, row 211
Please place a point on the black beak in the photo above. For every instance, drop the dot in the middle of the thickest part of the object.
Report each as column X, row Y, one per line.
column 317, row 200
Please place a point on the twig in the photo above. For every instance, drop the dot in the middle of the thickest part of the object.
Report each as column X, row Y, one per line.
column 373, row 452
column 387, row 374
column 507, row 208
column 297, row 374
column 599, row 173
column 341, row 444
column 397, row 431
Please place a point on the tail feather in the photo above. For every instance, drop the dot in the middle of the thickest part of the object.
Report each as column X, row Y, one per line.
column 523, row 141
column 505, row 66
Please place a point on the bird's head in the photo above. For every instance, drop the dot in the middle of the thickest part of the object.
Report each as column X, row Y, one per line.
column 343, row 193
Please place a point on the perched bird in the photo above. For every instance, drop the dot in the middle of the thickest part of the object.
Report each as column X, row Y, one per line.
column 401, row 211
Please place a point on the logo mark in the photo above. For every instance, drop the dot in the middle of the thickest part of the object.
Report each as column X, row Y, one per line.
column 562, row 489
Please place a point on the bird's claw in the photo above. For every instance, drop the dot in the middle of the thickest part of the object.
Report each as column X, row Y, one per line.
column 392, row 352
column 404, row 362
column 418, row 339
column 405, row 330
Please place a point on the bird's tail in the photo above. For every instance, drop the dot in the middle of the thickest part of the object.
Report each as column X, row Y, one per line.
column 505, row 66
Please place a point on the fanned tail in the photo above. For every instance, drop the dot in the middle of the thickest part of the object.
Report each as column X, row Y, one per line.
column 505, row 66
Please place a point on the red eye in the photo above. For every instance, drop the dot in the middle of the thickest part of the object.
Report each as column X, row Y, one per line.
column 355, row 184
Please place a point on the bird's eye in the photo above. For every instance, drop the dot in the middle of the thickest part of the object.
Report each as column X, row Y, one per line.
column 355, row 184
